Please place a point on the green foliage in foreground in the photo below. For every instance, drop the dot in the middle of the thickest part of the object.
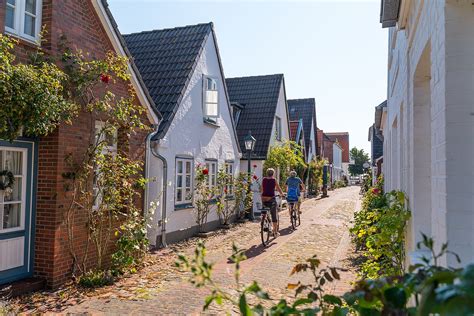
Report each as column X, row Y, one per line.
column 429, row 287
column 379, row 232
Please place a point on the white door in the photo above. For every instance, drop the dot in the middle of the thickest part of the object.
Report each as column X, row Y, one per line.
column 15, row 211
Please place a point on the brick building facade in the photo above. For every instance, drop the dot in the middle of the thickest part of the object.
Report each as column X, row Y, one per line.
column 89, row 26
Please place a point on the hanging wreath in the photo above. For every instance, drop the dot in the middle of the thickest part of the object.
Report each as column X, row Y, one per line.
column 6, row 180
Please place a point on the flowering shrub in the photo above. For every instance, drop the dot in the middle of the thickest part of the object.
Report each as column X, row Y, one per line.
column 242, row 198
column 379, row 232
column 224, row 210
column 203, row 196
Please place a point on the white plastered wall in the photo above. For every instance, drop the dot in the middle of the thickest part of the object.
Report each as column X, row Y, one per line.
column 189, row 136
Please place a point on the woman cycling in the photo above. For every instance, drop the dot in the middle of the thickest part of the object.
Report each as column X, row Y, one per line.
column 269, row 185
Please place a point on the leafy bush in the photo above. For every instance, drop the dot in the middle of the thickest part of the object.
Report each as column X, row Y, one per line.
column 286, row 157
column 315, row 175
column 339, row 184
column 379, row 232
column 33, row 96
column 94, row 279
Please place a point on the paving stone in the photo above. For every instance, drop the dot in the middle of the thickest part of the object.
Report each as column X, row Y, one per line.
column 160, row 288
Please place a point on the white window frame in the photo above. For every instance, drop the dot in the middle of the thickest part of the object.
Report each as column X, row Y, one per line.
column 22, row 201
column 107, row 149
column 183, row 187
column 212, row 175
column 205, row 102
column 18, row 29
column 278, row 128
column 229, row 170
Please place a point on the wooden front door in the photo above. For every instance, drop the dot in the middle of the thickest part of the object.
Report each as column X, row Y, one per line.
column 16, row 210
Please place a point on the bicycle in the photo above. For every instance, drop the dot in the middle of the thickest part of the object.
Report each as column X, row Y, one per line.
column 266, row 224
column 295, row 217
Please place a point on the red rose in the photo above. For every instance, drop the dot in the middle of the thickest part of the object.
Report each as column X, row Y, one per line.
column 205, row 171
column 255, row 177
column 105, row 78
column 225, row 191
column 375, row 191
column 255, row 166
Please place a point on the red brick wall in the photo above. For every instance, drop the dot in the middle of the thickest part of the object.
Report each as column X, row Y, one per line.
column 77, row 20
column 343, row 139
column 328, row 150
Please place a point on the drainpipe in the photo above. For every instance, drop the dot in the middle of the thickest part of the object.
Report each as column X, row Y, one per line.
column 151, row 149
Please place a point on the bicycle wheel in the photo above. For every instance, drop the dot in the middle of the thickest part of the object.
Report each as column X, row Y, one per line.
column 265, row 230
column 293, row 216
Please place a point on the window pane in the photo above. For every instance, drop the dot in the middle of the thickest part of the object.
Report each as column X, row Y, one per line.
column 10, row 17
column 211, row 96
column 179, row 195
column 30, row 25
column 188, row 167
column 13, row 162
column 188, row 181
column 11, row 215
column 180, row 167
column 16, row 194
column 211, row 109
column 189, row 195
column 12, row 2
column 30, row 6
column 179, row 182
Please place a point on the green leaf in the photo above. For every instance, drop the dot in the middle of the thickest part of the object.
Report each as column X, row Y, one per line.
column 302, row 301
column 244, row 307
column 332, row 299
column 396, row 297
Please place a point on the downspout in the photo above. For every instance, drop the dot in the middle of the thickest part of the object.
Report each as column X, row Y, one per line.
column 151, row 150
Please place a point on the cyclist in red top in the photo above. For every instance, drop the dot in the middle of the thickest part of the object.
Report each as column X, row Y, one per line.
column 269, row 185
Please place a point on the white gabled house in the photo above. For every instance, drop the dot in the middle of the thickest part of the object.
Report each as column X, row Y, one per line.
column 305, row 109
column 182, row 70
column 428, row 127
column 260, row 107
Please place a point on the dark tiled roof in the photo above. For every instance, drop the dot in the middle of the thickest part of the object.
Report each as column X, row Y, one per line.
column 304, row 109
column 166, row 60
column 259, row 95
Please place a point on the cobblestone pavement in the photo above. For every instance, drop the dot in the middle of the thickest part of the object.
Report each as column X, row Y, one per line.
column 161, row 288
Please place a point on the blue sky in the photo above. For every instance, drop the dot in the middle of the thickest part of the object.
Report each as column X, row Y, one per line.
column 334, row 51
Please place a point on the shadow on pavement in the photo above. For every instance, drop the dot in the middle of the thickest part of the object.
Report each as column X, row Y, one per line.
column 255, row 251
column 286, row 231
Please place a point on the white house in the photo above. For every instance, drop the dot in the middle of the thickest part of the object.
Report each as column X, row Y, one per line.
column 305, row 109
column 428, row 128
column 182, row 70
column 337, row 167
column 260, row 108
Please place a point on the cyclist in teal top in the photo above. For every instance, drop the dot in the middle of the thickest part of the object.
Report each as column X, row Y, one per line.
column 294, row 185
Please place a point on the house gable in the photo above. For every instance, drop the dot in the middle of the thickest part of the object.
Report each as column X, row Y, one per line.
column 262, row 99
column 167, row 60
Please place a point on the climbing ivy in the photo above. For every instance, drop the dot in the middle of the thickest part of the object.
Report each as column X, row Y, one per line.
column 33, row 96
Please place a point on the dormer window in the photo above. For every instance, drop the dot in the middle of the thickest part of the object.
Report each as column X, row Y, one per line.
column 23, row 18
column 211, row 99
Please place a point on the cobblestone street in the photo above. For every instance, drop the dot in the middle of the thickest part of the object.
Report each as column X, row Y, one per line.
column 161, row 288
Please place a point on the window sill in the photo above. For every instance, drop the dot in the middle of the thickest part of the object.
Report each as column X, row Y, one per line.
column 211, row 123
column 186, row 206
column 24, row 40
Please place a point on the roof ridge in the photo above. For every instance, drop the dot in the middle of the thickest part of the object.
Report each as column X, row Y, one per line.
column 256, row 76
column 210, row 24
column 302, row 99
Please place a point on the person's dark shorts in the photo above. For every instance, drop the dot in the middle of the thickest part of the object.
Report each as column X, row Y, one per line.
column 272, row 205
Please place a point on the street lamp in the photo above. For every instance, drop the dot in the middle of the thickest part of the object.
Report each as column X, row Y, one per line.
column 249, row 142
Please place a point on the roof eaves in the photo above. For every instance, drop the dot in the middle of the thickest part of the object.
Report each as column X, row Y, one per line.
column 135, row 70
